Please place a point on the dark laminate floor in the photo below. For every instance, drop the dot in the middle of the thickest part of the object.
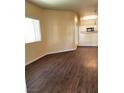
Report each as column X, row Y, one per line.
column 69, row 72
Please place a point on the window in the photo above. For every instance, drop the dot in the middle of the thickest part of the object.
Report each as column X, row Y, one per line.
column 32, row 30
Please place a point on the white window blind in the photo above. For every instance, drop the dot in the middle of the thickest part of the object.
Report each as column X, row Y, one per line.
column 32, row 30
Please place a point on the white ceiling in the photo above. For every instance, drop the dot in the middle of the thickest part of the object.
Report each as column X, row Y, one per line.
column 83, row 7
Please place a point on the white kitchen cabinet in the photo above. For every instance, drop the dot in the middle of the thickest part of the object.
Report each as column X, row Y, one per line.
column 88, row 39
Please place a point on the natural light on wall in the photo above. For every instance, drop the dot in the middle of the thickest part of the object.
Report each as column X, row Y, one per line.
column 75, row 19
column 89, row 17
column 32, row 30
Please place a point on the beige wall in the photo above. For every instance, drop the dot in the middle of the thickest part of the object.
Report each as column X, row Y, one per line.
column 76, row 30
column 57, row 28
column 35, row 50
column 60, row 28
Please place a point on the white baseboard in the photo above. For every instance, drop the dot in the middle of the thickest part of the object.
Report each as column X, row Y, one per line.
column 87, row 45
column 66, row 50
column 29, row 62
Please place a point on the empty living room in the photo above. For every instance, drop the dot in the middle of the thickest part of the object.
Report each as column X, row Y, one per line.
column 61, row 46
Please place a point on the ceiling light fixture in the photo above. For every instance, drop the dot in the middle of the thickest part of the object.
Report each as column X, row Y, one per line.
column 89, row 17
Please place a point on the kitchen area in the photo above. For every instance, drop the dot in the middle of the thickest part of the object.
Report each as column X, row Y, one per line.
column 88, row 31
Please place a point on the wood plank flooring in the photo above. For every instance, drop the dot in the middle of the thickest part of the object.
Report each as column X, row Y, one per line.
column 68, row 72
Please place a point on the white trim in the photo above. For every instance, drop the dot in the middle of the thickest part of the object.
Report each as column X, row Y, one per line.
column 88, row 45
column 66, row 50
column 29, row 62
